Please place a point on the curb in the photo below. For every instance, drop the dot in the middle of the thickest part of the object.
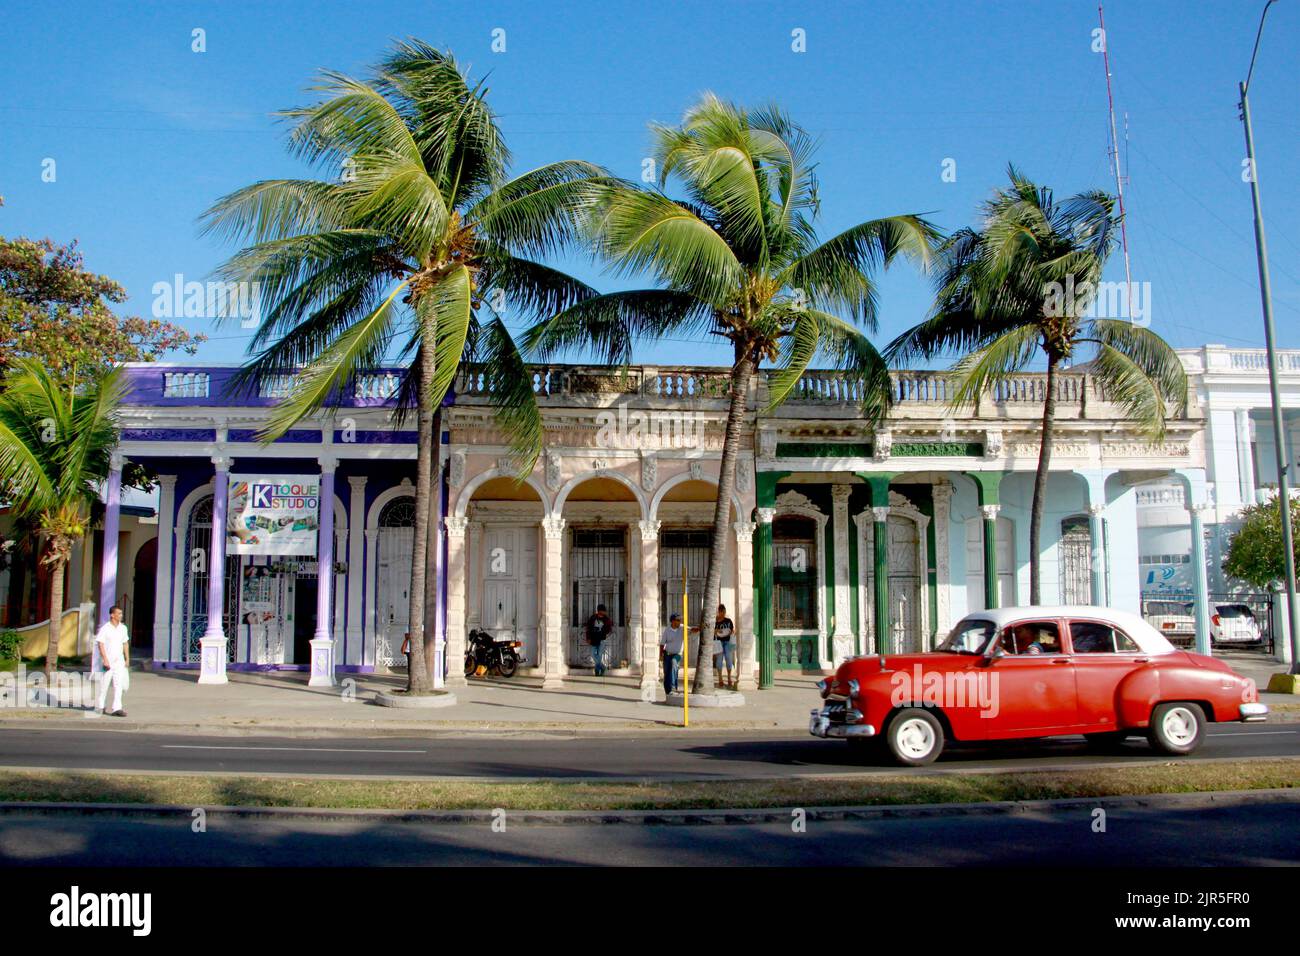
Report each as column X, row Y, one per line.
column 1182, row 801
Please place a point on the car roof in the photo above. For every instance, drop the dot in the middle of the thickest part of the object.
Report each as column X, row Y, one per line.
column 1147, row 637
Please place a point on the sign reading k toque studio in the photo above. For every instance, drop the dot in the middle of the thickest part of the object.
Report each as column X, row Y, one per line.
column 273, row 514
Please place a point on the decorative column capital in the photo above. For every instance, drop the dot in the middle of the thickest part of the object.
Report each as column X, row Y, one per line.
column 327, row 464
column 649, row 530
column 883, row 444
column 765, row 515
column 1197, row 509
column 745, row 531
column 941, row 492
column 553, row 527
column 221, row 462
column 456, row 525
column 166, row 481
column 840, row 493
column 358, row 483
column 990, row 512
column 116, row 460
column 1097, row 511
column 881, row 513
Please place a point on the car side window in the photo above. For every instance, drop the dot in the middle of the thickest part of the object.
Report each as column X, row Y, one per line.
column 1092, row 637
column 1032, row 637
column 1125, row 644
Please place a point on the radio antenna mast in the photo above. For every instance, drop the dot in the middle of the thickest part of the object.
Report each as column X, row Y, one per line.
column 1114, row 152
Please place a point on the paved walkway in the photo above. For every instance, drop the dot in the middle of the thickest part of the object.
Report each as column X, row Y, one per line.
column 281, row 702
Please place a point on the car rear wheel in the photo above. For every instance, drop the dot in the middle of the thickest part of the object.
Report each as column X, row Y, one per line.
column 1177, row 728
column 914, row 737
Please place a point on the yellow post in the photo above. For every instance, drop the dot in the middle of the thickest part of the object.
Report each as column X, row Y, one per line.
column 686, row 656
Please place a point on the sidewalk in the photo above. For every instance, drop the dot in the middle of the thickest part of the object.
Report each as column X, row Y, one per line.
column 173, row 701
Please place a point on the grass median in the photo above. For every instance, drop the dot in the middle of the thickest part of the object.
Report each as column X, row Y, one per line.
column 247, row 790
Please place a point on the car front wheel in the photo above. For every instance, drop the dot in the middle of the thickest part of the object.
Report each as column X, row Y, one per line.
column 914, row 737
column 1177, row 728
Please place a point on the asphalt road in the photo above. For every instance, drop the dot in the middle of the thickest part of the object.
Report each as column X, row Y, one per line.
column 695, row 756
column 1236, row 834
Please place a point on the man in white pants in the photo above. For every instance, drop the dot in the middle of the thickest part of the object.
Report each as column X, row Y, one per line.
column 113, row 644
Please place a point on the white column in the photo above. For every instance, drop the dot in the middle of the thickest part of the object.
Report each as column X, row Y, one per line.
column 322, row 642
column 212, row 646
column 162, row 596
column 842, row 636
column 370, row 620
column 456, row 595
column 746, row 655
column 1245, row 461
column 112, row 529
column 474, row 575
column 552, row 637
column 645, row 538
column 1097, row 537
column 356, row 568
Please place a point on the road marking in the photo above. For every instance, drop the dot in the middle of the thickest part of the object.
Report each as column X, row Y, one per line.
column 1254, row 733
column 304, row 750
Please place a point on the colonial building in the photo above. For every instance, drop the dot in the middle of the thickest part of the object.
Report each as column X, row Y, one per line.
column 844, row 538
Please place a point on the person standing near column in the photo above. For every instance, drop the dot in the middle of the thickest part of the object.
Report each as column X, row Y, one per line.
column 671, row 642
column 113, row 643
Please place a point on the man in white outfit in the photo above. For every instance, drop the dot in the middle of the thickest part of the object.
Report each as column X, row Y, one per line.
column 113, row 641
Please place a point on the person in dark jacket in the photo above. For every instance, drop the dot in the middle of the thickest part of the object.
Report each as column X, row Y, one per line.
column 599, row 627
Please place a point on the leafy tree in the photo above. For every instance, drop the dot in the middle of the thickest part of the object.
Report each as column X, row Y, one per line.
column 738, row 257
column 414, row 242
column 1255, row 553
column 53, row 310
column 1022, row 286
column 55, row 443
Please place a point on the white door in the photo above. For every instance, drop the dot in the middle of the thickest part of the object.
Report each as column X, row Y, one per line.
column 509, row 604
column 975, row 563
column 393, row 594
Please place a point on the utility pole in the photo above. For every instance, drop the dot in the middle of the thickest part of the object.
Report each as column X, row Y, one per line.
column 1266, row 294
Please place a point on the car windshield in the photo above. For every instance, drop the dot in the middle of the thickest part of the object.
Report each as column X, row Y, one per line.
column 970, row 636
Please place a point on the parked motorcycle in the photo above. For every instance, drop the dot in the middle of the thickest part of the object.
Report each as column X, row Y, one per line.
column 487, row 655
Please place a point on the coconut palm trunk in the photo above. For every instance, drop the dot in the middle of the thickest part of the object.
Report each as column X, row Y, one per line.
column 432, row 581
column 55, row 560
column 1040, row 486
column 417, row 677
column 741, row 374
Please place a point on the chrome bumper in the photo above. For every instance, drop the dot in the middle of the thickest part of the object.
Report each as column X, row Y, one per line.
column 820, row 725
column 1253, row 712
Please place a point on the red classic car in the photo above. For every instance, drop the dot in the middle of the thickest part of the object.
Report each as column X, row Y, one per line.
column 1015, row 673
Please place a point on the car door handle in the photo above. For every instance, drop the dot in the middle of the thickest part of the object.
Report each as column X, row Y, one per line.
column 1062, row 660
column 1141, row 660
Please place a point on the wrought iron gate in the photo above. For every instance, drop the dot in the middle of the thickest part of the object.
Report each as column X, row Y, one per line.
column 598, row 575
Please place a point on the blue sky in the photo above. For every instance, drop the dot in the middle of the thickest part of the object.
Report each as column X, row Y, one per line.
column 145, row 133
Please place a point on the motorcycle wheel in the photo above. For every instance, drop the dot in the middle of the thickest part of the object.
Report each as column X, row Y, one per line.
column 508, row 665
column 470, row 664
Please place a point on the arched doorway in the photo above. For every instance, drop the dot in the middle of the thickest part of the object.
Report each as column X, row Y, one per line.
column 394, row 544
column 144, row 585
column 598, row 512
column 194, row 615
column 502, row 563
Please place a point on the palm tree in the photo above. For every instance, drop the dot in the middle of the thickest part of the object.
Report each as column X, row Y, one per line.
column 739, row 258
column 55, row 443
column 1025, row 284
column 420, row 233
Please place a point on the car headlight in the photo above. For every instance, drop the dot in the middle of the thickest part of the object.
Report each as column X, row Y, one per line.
column 853, row 688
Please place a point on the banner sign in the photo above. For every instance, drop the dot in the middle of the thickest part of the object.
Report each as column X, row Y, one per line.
column 273, row 514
